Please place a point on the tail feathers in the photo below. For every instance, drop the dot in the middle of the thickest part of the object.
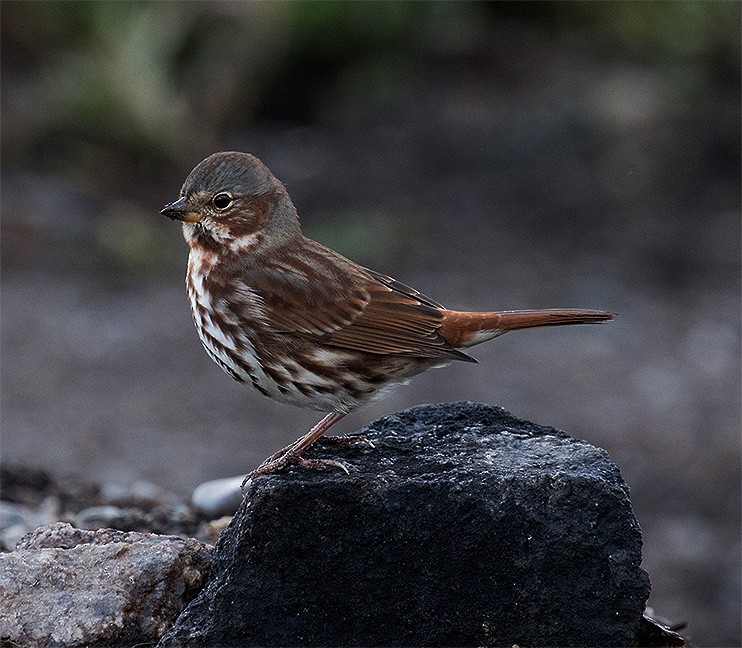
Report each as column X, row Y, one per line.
column 462, row 329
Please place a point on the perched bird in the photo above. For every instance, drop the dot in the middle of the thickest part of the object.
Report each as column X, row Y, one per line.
column 300, row 322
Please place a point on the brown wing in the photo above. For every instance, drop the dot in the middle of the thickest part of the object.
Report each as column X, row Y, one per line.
column 313, row 291
column 397, row 319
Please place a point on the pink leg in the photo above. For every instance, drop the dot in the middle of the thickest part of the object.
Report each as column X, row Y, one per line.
column 291, row 454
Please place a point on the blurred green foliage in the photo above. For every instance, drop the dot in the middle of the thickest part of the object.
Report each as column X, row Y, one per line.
column 120, row 97
column 676, row 29
column 169, row 79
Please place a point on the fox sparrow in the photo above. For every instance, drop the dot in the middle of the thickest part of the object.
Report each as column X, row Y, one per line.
column 300, row 322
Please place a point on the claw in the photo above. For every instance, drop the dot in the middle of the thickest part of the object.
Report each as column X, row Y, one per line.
column 292, row 454
column 273, row 465
column 321, row 464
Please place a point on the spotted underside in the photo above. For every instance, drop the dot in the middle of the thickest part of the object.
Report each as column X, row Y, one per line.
column 327, row 345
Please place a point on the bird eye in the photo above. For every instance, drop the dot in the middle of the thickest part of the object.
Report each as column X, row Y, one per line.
column 222, row 200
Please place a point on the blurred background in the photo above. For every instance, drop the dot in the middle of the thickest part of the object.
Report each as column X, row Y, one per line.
column 493, row 155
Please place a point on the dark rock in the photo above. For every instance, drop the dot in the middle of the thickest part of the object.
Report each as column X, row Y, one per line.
column 70, row 587
column 463, row 527
column 656, row 633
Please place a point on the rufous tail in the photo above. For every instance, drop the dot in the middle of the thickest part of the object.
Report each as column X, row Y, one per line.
column 461, row 329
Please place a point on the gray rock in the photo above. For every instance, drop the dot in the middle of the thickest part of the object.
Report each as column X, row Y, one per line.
column 218, row 497
column 463, row 527
column 71, row 587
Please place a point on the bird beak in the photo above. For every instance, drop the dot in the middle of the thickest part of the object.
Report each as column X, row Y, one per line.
column 181, row 210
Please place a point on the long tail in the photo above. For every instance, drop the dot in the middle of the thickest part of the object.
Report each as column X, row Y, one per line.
column 461, row 329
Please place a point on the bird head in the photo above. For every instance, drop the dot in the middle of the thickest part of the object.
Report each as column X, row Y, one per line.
column 231, row 202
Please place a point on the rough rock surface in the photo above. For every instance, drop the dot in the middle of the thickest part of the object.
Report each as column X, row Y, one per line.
column 464, row 526
column 71, row 587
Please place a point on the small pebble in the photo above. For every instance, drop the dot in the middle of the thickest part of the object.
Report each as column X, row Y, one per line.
column 218, row 497
column 215, row 527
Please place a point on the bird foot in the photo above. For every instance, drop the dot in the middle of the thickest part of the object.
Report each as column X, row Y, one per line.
column 274, row 465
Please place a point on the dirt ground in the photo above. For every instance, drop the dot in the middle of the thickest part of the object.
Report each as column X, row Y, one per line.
column 545, row 190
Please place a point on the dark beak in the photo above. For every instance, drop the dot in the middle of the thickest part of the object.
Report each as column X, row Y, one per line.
column 181, row 210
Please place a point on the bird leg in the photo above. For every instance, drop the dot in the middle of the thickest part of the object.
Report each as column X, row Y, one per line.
column 291, row 454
